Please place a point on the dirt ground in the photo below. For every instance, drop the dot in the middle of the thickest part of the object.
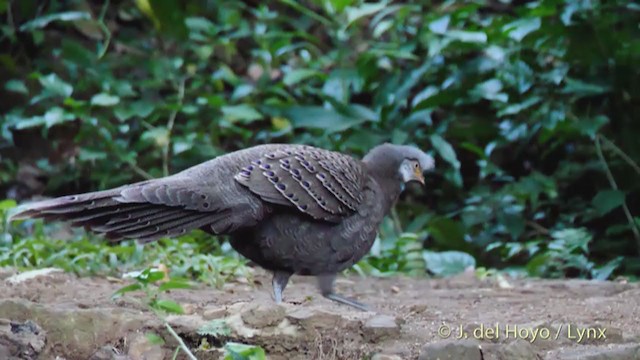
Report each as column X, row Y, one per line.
column 75, row 318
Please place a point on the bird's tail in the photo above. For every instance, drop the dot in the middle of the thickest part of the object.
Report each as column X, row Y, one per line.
column 80, row 207
column 103, row 213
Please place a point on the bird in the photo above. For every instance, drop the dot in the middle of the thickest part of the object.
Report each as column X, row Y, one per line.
column 292, row 209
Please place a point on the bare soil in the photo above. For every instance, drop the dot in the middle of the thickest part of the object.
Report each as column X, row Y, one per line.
column 78, row 319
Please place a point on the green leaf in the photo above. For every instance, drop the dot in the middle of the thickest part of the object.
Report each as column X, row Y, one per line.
column 159, row 136
column 518, row 29
column 583, row 89
column 57, row 115
column 53, row 116
column 316, row 117
column 150, row 275
column 55, row 85
column 447, row 263
column 174, row 284
column 126, row 110
column 570, row 240
column 340, row 5
column 91, row 155
column 216, row 328
column 7, row 204
column 43, row 21
column 591, row 125
column 16, row 86
column 440, row 25
column 169, row 306
column 537, row 265
column 448, row 232
column 517, row 108
column 477, row 37
column 244, row 113
column 607, row 200
column 445, row 150
column 169, row 16
column 154, row 338
column 604, row 272
column 490, row 90
column 297, row 75
column 238, row 351
column 365, row 9
column 103, row 99
column 127, row 289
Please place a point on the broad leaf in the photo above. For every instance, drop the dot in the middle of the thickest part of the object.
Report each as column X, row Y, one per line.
column 445, row 150
column 518, row 29
column 63, row 16
column 238, row 351
column 244, row 113
column 316, row 117
column 169, row 306
column 55, row 85
column 607, row 200
column 448, row 263
column 103, row 99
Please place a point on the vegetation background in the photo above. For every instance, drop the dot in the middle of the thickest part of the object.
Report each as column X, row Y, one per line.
column 530, row 108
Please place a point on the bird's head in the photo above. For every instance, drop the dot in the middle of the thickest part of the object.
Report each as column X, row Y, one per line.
column 407, row 163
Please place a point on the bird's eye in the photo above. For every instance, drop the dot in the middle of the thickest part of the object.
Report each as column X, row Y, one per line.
column 415, row 165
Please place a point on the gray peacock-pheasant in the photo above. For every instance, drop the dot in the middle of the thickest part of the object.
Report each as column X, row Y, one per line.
column 291, row 209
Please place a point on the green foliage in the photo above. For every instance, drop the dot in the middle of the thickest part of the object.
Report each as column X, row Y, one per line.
column 216, row 328
column 514, row 100
column 153, row 282
column 238, row 351
column 448, row 262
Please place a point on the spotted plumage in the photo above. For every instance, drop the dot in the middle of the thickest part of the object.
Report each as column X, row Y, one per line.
column 292, row 209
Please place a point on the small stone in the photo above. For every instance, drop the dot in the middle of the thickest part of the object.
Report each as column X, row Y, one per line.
column 450, row 350
column 212, row 313
column 263, row 315
column 315, row 319
column 22, row 339
column 395, row 289
column 140, row 348
column 385, row 357
column 515, row 350
column 380, row 327
column 418, row 308
column 189, row 308
column 188, row 324
column 614, row 335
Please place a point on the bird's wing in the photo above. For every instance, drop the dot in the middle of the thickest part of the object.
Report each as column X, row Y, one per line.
column 204, row 196
column 323, row 184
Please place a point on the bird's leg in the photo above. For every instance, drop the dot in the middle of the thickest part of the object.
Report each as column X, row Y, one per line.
column 279, row 282
column 325, row 283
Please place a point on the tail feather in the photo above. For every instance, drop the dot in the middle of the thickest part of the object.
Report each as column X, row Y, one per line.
column 135, row 223
column 180, row 225
column 147, row 211
column 105, row 213
column 66, row 207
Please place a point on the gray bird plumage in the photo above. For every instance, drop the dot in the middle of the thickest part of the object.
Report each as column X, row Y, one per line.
column 292, row 209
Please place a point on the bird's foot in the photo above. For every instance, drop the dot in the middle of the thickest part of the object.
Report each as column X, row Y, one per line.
column 346, row 301
column 325, row 283
column 279, row 283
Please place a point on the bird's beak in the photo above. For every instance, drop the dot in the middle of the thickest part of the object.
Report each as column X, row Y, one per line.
column 419, row 177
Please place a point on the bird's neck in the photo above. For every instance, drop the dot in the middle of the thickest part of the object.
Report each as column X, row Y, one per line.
column 392, row 186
